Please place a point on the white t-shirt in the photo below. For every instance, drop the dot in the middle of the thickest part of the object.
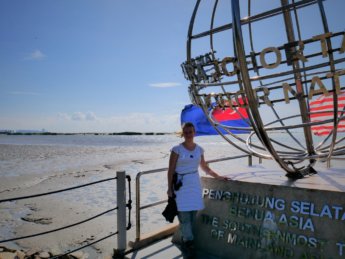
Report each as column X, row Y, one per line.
column 189, row 196
column 188, row 161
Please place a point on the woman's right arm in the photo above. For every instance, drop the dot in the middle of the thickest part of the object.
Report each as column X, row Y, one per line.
column 171, row 170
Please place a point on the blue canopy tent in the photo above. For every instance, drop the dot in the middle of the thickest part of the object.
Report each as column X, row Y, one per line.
column 194, row 114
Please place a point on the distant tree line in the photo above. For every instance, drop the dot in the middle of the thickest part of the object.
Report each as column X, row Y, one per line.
column 128, row 133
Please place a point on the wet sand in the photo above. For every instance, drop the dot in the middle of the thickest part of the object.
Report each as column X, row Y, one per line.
column 40, row 214
column 35, row 215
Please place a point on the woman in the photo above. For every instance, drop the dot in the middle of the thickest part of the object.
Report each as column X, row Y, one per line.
column 185, row 159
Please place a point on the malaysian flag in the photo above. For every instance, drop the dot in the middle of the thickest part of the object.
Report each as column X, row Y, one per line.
column 322, row 109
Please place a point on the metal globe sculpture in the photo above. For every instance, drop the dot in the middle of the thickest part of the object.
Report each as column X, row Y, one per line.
column 284, row 64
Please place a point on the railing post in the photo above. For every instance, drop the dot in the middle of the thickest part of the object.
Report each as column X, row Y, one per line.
column 250, row 160
column 137, row 199
column 121, row 214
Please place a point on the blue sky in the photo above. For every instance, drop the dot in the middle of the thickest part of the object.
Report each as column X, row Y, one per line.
column 98, row 66
column 105, row 66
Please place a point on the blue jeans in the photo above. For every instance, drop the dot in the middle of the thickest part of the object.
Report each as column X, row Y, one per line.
column 187, row 221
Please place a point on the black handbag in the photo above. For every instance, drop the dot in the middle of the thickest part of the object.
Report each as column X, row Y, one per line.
column 176, row 183
column 170, row 210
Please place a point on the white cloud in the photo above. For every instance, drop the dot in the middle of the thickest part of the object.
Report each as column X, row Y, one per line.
column 24, row 93
column 140, row 122
column 143, row 122
column 165, row 85
column 64, row 116
column 89, row 122
column 36, row 55
column 90, row 116
column 78, row 116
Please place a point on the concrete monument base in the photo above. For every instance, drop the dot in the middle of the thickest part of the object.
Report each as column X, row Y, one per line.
column 263, row 214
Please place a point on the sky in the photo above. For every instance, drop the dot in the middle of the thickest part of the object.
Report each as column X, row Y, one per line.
column 93, row 66
column 96, row 66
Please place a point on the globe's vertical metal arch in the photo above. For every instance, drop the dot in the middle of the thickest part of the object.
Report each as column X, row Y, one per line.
column 192, row 91
column 335, row 97
column 253, row 112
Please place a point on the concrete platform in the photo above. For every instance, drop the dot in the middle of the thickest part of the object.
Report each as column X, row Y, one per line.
column 330, row 179
column 161, row 249
column 164, row 249
column 300, row 215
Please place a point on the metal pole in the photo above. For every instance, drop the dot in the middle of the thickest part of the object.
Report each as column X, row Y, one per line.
column 121, row 212
column 246, row 85
column 250, row 160
column 137, row 207
column 296, row 68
